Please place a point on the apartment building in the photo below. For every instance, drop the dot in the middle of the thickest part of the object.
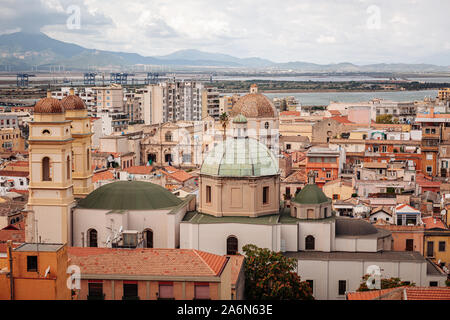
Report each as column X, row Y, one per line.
column 210, row 102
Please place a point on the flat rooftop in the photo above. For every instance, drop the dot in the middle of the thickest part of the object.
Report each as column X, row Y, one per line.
column 42, row 247
column 358, row 256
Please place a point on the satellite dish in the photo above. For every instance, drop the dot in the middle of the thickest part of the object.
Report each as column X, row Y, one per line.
column 108, row 240
column 47, row 271
column 120, row 229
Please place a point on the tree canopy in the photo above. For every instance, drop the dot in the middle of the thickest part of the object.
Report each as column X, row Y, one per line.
column 271, row 276
column 385, row 283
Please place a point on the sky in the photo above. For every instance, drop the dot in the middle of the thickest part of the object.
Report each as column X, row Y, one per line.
column 318, row 31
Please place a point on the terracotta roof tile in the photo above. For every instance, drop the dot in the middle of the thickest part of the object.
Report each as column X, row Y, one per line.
column 151, row 262
column 432, row 293
column 433, row 223
column 368, row 295
column 139, row 170
column 103, row 175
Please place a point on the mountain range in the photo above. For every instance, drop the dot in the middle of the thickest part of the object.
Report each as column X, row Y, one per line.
column 24, row 51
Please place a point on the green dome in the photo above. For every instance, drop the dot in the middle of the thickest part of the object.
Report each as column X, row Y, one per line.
column 240, row 118
column 311, row 194
column 244, row 157
column 129, row 195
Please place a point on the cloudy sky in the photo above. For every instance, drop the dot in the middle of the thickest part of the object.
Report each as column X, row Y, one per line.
column 320, row 31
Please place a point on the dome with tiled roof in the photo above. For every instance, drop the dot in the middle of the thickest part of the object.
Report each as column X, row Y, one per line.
column 245, row 157
column 73, row 102
column 311, row 194
column 129, row 195
column 254, row 105
column 48, row 105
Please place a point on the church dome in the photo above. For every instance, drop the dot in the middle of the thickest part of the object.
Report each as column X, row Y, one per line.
column 129, row 195
column 240, row 158
column 73, row 102
column 311, row 194
column 48, row 105
column 254, row 105
column 354, row 227
column 240, row 119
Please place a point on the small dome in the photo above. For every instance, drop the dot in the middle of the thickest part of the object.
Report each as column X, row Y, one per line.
column 254, row 105
column 73, row 102
column 240, row 158
column 354, row 227
column 48, row 105
column 311, row 194
column 129, row 195
column 240, row 118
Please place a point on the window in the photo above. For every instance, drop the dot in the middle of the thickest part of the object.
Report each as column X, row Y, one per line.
column 409, row 244
column 311, row 285
column 202, row 291
column 288, row 147
column 265, row 195
column 88, row 159
column 168, row 136
column 342, row 287
column 46, row 131
column 95, row 290
column 430, row 249
column 166, row 291
column 208, row 194
column 429, row 156
column 433, row 283
column 148, row 237
column 46, row 176
column 69, row 167
column 429, row 169
column 266, row 125
column 232, row 245
column 130, row 290
column 325, row 212
column 328, row 174
column 92, row 238
column 32, row 264
column 384, row 149
column 129, row 240
column 309, row 243
column 441, row 246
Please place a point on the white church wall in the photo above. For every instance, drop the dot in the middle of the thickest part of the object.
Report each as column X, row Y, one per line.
column 289, row 237
column 321, row 233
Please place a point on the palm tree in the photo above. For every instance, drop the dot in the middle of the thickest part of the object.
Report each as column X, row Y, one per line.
column 224, row 119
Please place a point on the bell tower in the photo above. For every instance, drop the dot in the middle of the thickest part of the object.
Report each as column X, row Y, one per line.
column 75, row 111
column 50, row 160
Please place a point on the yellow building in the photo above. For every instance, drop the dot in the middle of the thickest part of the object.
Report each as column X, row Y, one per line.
column 437, row 240
column 338, row 189
column 444, row 94
column 11, row 140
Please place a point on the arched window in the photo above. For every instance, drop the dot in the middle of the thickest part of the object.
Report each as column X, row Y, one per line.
column 169, row 136
column 46, row 176
column 232, row 245
column 69, row 167
column 148, row 238
column 309, row 243
column 266, row 125
column 92, row 238
column 46, row 131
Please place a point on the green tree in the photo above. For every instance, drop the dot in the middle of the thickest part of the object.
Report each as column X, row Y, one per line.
column 224, row 120
column 386, row 119
column 385, row 283
column 271, row 276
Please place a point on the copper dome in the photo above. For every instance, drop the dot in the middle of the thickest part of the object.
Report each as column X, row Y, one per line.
column 48, row 105
column 73, row 102
column 254, row 105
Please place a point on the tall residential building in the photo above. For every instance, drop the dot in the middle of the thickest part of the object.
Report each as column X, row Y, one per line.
column 210, row 102
column 110, row 99
column 152, row 104
column 444, row 94
column 88, row 95
column 226, row 103
column 182, row 100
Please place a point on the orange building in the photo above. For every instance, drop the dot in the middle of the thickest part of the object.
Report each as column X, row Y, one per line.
column 156, row 274
column 405, row 238
column 325, row 163
column 38, row 272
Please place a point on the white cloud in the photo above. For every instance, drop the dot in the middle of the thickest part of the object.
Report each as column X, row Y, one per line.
column 319, row 31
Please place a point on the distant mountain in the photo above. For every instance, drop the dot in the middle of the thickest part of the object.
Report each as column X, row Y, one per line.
column 22, row 51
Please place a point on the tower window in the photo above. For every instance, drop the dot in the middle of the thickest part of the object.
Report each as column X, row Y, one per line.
column 69, row 168
column 88, row 159
column 208, row 194
column 265, row 195
column 46, row 169
column 92, row 238
column 46, row 131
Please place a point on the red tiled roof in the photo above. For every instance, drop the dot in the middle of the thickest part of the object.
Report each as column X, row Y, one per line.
column 139, row 170
column 18, row 164
column 368, row 295
column 177, row 174
column 290, row 113
column 7, row 173
column 19, row 191
column 151, row 262
column 334, row 112
column 432, row 293
column 431, row 224
column 341, row 119
column 103, row 175
column 236, row 266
